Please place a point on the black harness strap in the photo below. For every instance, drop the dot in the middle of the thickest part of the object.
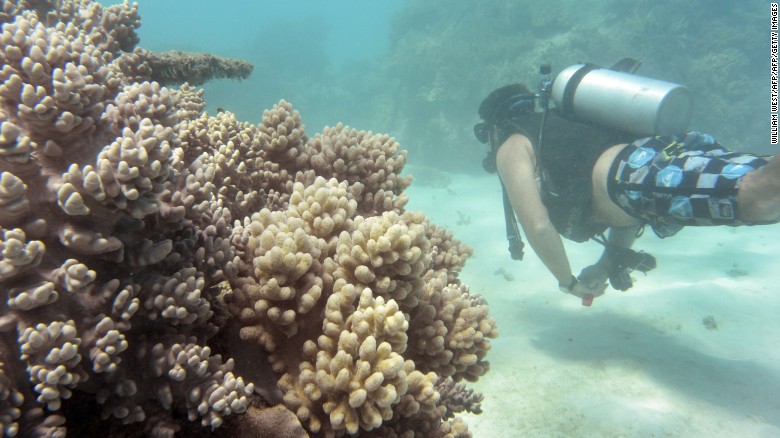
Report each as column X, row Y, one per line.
column 512, row 231
column 567, row 106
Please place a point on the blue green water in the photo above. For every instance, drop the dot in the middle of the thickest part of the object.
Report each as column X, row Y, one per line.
column 304, row 51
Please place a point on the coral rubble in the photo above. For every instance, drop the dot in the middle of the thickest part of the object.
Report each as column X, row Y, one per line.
column 149, row 251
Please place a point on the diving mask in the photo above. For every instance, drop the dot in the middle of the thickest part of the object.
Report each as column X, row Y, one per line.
column 510, row 110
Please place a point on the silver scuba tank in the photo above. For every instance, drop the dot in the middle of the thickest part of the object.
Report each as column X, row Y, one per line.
column 622, row 101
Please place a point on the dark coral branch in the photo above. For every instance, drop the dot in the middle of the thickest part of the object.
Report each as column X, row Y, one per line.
column 176, row 67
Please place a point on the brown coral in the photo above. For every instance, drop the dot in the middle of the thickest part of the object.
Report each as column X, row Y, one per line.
column 370, row 163
column 141, row 239
column 451, row 331
column 360, row 380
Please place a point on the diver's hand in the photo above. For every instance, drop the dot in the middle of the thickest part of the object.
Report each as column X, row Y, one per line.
column 594, row 276
column 621, row 280
column 588, row 293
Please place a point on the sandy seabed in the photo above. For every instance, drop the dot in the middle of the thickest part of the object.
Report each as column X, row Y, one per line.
column 692, row 350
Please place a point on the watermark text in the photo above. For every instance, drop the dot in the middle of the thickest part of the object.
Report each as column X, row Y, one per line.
column 773, row 73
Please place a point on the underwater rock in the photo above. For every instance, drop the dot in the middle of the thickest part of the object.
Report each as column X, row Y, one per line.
column 709, row 322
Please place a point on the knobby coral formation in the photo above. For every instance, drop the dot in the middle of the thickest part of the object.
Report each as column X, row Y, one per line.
column 141, row 240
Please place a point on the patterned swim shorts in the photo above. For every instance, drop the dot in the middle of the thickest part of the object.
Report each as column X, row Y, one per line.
column 670, row 182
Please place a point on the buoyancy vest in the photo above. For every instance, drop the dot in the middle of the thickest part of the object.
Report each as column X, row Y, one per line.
column 565, row 162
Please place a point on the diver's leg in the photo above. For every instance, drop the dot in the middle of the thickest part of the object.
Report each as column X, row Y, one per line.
column 759, row 195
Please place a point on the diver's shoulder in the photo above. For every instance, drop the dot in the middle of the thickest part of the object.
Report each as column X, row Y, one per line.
column 517, row 146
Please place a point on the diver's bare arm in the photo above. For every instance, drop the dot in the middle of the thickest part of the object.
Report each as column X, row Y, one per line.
column 516, row 168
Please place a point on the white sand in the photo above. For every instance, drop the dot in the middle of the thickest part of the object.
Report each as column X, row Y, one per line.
column 639, row 363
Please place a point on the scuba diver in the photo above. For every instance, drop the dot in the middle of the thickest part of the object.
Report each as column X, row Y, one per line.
column 613, row 154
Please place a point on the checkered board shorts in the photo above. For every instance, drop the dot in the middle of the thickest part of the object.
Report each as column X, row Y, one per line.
column 670, row 182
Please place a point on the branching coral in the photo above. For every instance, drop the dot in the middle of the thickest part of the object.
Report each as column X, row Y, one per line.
column 140, row 237
column 89, row 295
column 370, row 163
column 353, row 371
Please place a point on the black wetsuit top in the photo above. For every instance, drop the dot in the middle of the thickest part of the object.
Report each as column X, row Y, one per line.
column 569, row 152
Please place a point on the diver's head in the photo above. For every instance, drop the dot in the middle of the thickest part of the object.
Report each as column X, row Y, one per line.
column 500, row 112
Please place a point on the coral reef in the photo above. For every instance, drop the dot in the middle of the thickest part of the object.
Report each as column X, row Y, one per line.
column 149, row 251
